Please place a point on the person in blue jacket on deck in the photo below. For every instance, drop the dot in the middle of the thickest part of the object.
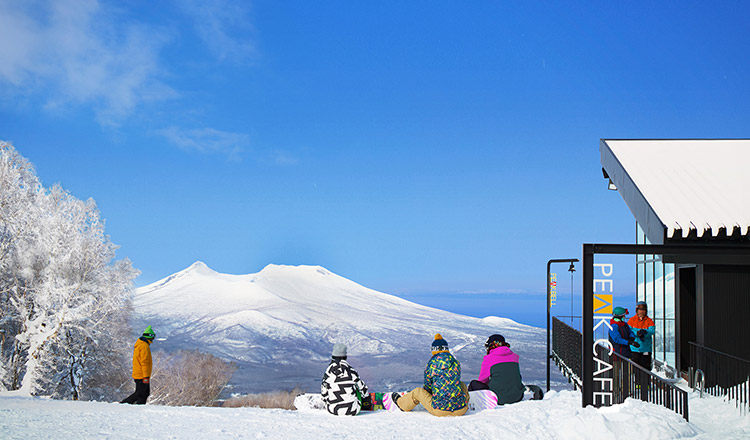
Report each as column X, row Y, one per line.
column 621, row 336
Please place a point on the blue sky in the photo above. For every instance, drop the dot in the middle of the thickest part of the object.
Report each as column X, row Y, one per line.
column 414, row 148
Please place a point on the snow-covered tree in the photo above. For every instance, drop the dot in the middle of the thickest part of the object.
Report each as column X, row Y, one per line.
column 64, row 301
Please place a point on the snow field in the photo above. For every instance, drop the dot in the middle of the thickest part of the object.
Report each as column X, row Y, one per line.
column 559, row 415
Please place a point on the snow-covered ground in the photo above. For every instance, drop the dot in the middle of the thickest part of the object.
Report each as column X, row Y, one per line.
column 279, row 325
column 558, row 416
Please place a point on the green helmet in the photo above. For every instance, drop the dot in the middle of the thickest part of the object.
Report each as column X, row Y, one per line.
column 149, row 333
column 619, row 312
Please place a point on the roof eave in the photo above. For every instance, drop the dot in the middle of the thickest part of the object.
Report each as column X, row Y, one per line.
column 644, row 214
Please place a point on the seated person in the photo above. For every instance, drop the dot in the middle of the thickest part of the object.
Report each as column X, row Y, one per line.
column 500, row 372
column 342, row 389
column 443, row 393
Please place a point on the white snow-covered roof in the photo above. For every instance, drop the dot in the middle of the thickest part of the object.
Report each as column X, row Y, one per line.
column 680, row 188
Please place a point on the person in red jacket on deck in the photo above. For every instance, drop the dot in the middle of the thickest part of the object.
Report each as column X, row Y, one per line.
column 644, row 329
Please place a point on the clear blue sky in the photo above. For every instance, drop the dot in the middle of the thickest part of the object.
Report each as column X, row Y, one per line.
column 413, row 147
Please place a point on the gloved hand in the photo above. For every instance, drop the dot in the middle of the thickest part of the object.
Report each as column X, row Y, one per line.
column 145, row 380
column 641, row 333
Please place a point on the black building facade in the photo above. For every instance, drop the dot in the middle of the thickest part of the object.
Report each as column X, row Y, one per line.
column 696, row 192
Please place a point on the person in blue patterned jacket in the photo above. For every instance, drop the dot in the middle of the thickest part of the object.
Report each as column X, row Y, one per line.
column 443, row 393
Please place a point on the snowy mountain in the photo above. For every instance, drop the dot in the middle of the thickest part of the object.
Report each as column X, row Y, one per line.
column 279, row 325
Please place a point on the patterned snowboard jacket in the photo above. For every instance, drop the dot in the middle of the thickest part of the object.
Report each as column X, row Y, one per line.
column 442, row 379
column 342, row 388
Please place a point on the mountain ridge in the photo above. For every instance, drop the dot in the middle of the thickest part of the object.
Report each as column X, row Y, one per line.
column 279, row 324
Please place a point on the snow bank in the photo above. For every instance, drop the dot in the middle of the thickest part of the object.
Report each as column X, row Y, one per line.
column 559, row 415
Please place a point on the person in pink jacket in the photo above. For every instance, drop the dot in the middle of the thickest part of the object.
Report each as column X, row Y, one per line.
column 500, row 372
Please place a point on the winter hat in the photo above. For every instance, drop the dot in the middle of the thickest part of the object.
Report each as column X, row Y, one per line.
column 640, row 304
column 339, row 350
column 439, row 345
column 499, row 339
column 619, row 312
column 148, row 333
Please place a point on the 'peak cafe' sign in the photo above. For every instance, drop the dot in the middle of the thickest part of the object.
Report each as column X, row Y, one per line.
column 603, row 380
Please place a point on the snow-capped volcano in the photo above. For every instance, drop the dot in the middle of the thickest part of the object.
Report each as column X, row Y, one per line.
column 279, row 325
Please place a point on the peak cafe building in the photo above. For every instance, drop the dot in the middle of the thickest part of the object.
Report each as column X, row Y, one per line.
column 691, row 202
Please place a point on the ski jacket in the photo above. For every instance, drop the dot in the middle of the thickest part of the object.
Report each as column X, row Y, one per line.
column 496, row 356
column 342, row 389
column 442, row 379
column 620, row 337
column 647, row 324
column 501, row 372
column 141, row 359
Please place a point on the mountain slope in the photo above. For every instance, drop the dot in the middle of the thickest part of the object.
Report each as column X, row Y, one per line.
column 279, row 324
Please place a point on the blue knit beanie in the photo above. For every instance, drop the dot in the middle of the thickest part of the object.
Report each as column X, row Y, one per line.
column 439, row 345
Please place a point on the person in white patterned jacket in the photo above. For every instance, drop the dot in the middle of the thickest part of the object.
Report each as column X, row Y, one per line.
column 342, row 389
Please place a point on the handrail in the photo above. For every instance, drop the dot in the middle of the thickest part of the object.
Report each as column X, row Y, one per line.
column 724, row 375
column 632, row 380
column 566, row 351
column 702, row 382
column 703, row 347
column 645, row 371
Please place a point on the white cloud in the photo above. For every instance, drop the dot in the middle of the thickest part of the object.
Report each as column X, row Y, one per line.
column 207, row 140
column 224, row 26
column 72, row 52
column 283, row 158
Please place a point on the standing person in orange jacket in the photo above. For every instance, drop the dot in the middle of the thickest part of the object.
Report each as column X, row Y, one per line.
column 142, row 368
column 644, row 329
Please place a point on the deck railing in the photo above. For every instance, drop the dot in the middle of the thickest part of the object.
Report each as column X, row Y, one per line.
column 724, row 375
column 632, row 380
column 566, row 351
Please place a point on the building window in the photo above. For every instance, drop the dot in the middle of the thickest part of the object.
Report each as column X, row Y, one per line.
column 655, row 285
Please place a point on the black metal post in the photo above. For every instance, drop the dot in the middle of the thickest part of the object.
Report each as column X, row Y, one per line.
column 549, row 263
column 587, row 326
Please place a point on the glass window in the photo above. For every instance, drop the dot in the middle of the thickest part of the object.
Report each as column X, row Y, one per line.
column 658, row 340
column 641, row 292
column 669, row 302
column 649, row 281
column 669, row 345
column 639, row 239
column 658, row 305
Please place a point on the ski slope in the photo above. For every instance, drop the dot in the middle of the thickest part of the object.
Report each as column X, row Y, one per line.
column 558, row 416
column 278, row 326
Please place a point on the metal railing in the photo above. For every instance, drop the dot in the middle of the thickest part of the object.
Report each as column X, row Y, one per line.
column 632, row 380
column 724, row 375
column 566, row 351
column 629, row 378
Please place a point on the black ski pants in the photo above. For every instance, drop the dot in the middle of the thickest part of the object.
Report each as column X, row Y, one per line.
column 475, row 385
column 645, row 361
column 139, row 397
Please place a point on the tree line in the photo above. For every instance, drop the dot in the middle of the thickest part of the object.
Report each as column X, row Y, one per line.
column 64, row 300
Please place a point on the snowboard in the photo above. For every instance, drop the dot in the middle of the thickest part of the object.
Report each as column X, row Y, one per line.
column 380, row 401
column 480, row 400
column 370, row 402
